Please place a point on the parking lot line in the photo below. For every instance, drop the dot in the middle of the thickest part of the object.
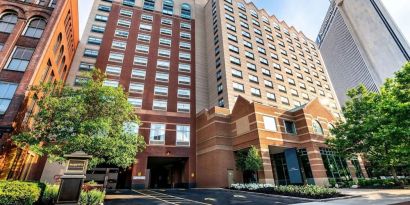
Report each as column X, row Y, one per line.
column 168, row 198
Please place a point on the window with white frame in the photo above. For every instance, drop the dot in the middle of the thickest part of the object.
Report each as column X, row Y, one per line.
column 136, row 88
column 164, row 52
column 183, row 107
column 141, row 48
column 111, row 83
column 183, row 135
column 161, row 77
column 161, row 90
column 7, row 91
column 116, row 57
column 113, row 70
column 140, row 60
column 184, row 67
column 157, row 134
column 144, row 37
column 184, row 93
column 119, row 45
column 145, row 27
column 140, row 74
column 121, row 33
column 124, row 22
column 163, row 64
column 160, row 105
column 184, row 80
column 270, row 123
column 136, row 102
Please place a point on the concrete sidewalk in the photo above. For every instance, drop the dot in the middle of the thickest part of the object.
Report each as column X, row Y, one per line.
column 370, row 196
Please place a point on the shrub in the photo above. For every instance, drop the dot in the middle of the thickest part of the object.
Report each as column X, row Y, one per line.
column 50, row 194
column 307, row 191
column 93, row 197
column 382, row 183
column 19, row 193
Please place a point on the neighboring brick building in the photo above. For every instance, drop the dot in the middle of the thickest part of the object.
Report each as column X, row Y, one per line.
column 148, row 48
column 38, row 40
column 291, row 144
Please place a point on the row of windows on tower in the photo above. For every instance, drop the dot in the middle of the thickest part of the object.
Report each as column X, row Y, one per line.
column 167, row 7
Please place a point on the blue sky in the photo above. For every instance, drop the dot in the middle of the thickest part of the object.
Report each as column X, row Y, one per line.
column 304, row 15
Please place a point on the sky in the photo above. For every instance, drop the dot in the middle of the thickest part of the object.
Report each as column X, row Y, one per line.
column 304, row 15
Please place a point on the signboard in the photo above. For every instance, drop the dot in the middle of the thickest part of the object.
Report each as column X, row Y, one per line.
column 138, row 177
column 76, row 166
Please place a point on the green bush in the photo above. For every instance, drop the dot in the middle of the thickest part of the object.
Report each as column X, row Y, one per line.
column 308, row 191
column 383, row 183
column 19, row 193
column 92, row 197
column 50, row 194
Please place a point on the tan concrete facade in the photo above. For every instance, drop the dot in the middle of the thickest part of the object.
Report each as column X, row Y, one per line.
column 220, row 133
column 274, row 59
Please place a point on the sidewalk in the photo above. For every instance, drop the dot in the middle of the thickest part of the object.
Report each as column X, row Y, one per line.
column 370, row 196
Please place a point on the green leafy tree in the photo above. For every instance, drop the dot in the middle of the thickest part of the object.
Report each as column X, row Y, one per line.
column 249, row 160
column 377, row 124
column 95, row 119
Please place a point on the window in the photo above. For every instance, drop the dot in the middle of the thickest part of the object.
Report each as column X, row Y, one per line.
column 136, row 102
column 317, row 128
column 185, row 25
column 233, row 48
column 111, row 83
column 184, row 56
column 184, row 80
column 220, row 88
column 144, row 37
column 157, row 133
column 251, row 66
column 232, row 37
column 285, row 100
column 94, row 40
column 127, row 13
column 184, row 67
column 185, row 45
column 165, row 41
column 147, row 17
column 166, row 21
column 185, row 35
column 163, row 64
column 35, row 28
column 145, row 27
column 282, row 88
column 168, row 7
column 235, row 60
column 8, row 22
column 184, row 93
column 160, row 105
column 149, row 5
column 290, row 127
column 121, row 33
column 162, row 77
column 165, row 31
column 238, row 87
column 183, row 135
column 138, row 74
column 161, row 90
column 101, row 18
column 90, row 53
column 268, row 83
column 124, row 23
column 183, row 107
column 271, row 96
column 136, row 88
column 270, row 123
column 139, row 60
column 113, row 70
column 256, row 92
column 116, row 57
column 20, row 59
column 142, row 48
column 266, row 72
column 253, row 78
column 237, row 73
column 185, row 11
column 7, row 91
column 97, row 29
column 164, row 53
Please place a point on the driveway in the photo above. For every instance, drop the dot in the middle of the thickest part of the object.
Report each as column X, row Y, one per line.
column 194, row 197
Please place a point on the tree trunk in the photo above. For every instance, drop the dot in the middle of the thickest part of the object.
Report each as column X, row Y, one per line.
column 393, row 172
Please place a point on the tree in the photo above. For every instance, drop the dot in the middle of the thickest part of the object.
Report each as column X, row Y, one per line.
column 377, row 124
column 249, row 160
column 95, row 119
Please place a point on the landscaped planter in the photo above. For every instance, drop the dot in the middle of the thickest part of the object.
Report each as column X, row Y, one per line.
column 308, row 191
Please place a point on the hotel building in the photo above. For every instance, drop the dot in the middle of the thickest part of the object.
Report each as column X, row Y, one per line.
column 148, row 48
column 360, row 44
column 268, row 88
column 38, row 39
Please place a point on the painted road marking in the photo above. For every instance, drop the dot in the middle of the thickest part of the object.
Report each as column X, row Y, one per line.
column 168, row 198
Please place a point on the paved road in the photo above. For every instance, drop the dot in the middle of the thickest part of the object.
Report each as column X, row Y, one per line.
column 194, row 197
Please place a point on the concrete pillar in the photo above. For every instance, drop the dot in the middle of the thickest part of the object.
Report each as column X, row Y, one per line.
column 317, row 166
column 266, row 174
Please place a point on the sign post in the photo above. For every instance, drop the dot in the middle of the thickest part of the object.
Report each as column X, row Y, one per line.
column 73, row 178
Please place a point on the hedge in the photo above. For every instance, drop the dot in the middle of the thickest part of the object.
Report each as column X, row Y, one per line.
column 19, row 193
column 307, row 191
column 91, row 197
column 383, row 183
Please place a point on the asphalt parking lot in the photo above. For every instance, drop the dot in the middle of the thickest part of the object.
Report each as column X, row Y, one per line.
column 194, row 196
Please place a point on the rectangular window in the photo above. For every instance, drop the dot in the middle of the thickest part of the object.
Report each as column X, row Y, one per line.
column 127, row 13
column 184, row 93
column 94, row 40
column 161, row 90
column 162, row 77
column 113, row 70
column 121, row 33
column 7, row 91
column 160, row 105
column 136, row 88
column 140, row 74
column 271, row 96
column 116, row 57
column 163, row 64
column 185, row 35
column 119, row 45
column 111, row 83
column 97, row 29
column 184, row 80
column 90, row 53
column 165, row 31
column 139, row 60
column 237, row 73
column 147, row 17
column 165, row 41
column 238, row 87
column 144, row 37
column 184, row 67
column 123, row 22
column 101, row 18
column 184, row 56
column 185, row 45
column 157, row 134
column 256, row 92
column 185, row 25
column 20, row 59
column 183, row 135
column 145, row 27
column 136, row 102
column 270, row 123
column 183, row 107
column 141, row 48
column 164, row 53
